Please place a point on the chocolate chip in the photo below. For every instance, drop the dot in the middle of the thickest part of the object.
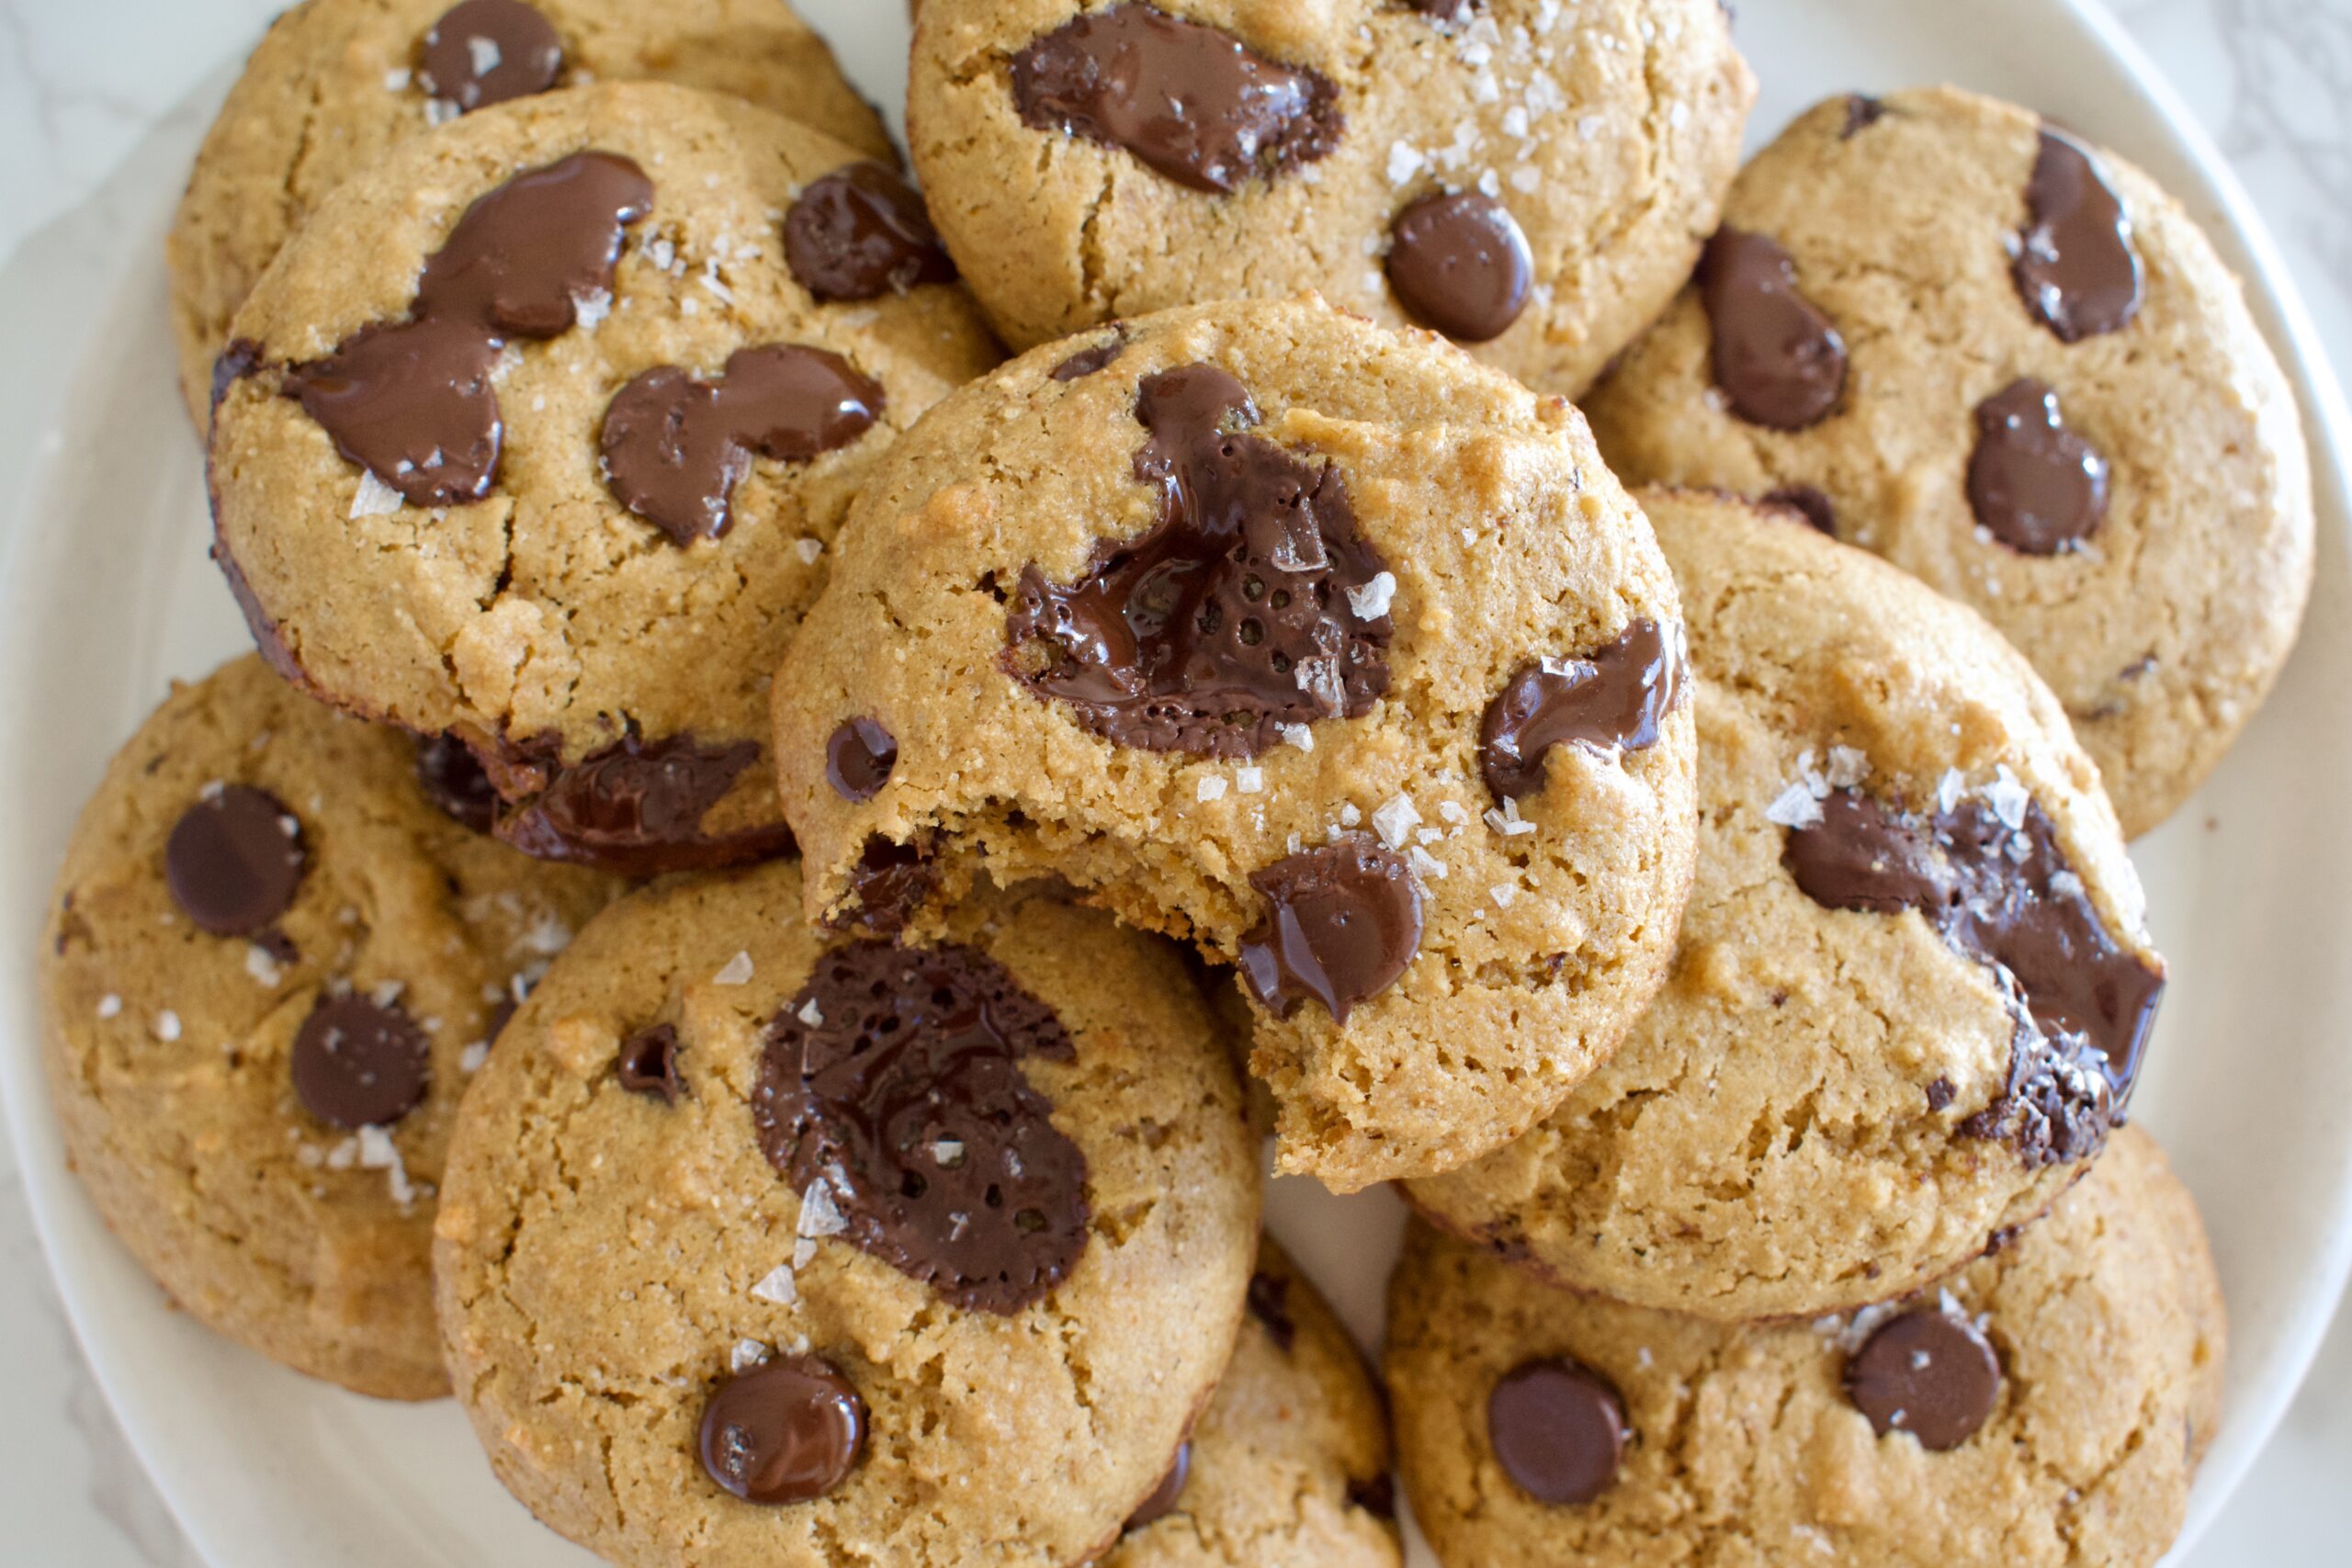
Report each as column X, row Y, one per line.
column 675, row 447
column 2005, row 896
column 1928, row 1374
column 2035, row 485
column 636, row 808
column 1442, row 10
column 1269, row 1301
column 2076, row 268
column 1807, row 502
column 1191, row 101
column 241, row 359
column 1235, row 614
column 1375, row 1495
column 487, row 51
column 648, row 1064
column 1778, row 359
column 861, row 233
column 234, row 860
column 858, row 758
column 1940, row 1093
column 1460, row 264
column 1861, row 112
column 453, row 780
column 358, row 1063
column 1619, row 697
column 886, row 886
column 1342, row 922
column 1558, row 1430
column 894, row 1075
column 411, row 400
column 787, row 1431
column 1164, row 1497
column 1088, row 360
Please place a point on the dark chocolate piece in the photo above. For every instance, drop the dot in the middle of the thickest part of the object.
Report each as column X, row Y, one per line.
column 636, row 808
column 859, row 756
column 453, row 780
column 894, row 1079
column 1558, row 1430
column 1460, row 263
column 1807, row 502
column 489, row 51
column 234, row 860
column 1779, row 360
column 1086, row 361
column 2076, row 268
column 1619, row 697
column 358, row 1063
column 1926, row 1373
column 2035, row 485
column 648, row 1064
column 861, row 233
column 1233, row 616
column 1342, row 922
column 1269, row 1299
column 1168, row 1493
column 786, row 1431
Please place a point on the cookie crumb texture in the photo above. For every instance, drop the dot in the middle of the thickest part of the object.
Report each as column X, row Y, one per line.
column 202, row 956
column 1588, row 149
column 336, row 84
column 2054, row 406
column 1301, row 792
column 541, row 442
column 619, row 1270
column 1831, row 1105
column 1752, row 1445
column 1288, row 1466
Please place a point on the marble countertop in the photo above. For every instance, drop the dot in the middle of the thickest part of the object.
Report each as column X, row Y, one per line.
column 2271, row 79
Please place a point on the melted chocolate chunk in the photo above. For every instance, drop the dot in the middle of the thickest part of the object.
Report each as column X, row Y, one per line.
column 453, row 780
column 1862, row 111
column 861, row 233
column 894, row 1076
column 1442, row 10
column 1928, row 1374
column 1807, row 502
column 1460, row 264
column 487, row 51
column 1342, row 922
column 786, row 1431
column 636, row 808
column 1558, row 1430
column 1231, row 617
column 411, row 400
column 648, row 1064
column 358, row 1063
column 888, row 886
column 2035, row 485
column 675, row 446
column 858, row 758
column 2076, row 268
column 234, row 860
column 1619, row 697
column 2004, row 895
column 241, row 359
column 1269, row 1301
column 1088, row 360
column 1164, row 1497
column 1375, row 1495
column 1779, row 360
column 1191, row 101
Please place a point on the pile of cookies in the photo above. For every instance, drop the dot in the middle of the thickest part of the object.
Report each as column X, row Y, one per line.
column 774, row 868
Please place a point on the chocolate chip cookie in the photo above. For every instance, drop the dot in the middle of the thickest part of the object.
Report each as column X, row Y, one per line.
column 2006, row 360
column 537, row 435
column 275, row 958
column 763, row 1244
column 1912, row 992
column 1288, row 1466
column 1531, row 178
column 336, row 85
column 2046, row 1406
column 1323, row 646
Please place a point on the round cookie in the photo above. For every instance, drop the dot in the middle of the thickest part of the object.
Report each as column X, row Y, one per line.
column 1288, row 1466
column 1912, row 989
column 2011, row 364
column 1229, row 616
column 336, row 84
column 271, row 967
column 922, row 1255
column 539, row 432
column 2044, row 1408
column 1531, row 178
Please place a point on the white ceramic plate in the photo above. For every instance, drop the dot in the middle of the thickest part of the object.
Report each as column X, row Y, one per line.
column 108, row 594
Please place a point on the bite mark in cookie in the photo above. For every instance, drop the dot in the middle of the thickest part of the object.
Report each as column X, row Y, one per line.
column 411, row 400
column 1190, row 101
column 1252, row 604
column 892, row 1084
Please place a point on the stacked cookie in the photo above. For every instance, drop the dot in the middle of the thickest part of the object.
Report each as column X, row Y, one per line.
column 1724, row 937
